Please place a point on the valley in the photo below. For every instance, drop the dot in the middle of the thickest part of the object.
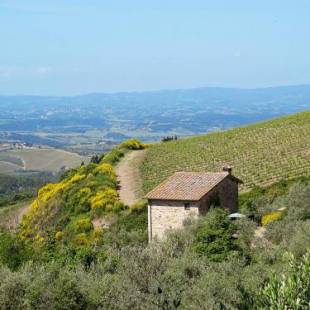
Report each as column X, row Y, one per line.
column 94, row 123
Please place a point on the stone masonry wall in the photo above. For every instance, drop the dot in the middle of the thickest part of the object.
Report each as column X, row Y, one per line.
column 228, row 193
column 165, row 215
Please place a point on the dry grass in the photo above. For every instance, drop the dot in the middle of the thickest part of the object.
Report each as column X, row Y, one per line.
column 40, row 159
column 6, row 167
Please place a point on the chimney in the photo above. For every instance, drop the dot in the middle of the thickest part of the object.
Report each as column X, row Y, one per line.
column 227, row 169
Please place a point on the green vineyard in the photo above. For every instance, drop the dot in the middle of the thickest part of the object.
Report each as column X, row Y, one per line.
column 260, row 154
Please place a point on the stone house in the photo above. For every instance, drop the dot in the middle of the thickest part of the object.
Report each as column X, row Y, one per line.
column 189, row 193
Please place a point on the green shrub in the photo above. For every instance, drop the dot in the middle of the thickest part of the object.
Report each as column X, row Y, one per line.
column 297, row 215
column 114, row 156
column 133, row 144
column 106, row 200
column 117, row 153
column 84, row 225
column 13, row 251
column 214, row 235
column 288, row 291
column 138, row 207
column 13, row 286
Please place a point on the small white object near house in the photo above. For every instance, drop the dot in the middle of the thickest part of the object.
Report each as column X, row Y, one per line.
column 236, row 216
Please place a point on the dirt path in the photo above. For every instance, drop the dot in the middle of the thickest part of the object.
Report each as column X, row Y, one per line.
column 11, row 217
column 129, row 178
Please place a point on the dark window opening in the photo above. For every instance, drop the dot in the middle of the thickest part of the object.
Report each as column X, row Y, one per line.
column 187, row 206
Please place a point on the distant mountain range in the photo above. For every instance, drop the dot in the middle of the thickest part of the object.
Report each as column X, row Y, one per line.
column 147, row 115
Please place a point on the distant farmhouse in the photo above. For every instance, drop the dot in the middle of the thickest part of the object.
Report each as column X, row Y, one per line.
column 189, row 193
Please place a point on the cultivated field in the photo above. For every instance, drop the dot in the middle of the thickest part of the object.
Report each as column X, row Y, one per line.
column 37, row 159
column 7, row 167
column 261, row 154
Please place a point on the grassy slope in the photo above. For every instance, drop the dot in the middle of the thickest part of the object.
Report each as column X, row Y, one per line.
column 6, row 167
column 261, row 154
column 65, row 213
column 41, row 159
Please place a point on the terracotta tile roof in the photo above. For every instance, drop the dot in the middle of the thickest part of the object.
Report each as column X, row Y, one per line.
column 191, row 186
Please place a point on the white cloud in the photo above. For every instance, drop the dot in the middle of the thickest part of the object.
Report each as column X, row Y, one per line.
column 10, row 72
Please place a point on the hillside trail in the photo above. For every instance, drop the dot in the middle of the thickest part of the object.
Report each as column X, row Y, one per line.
column 129, row 178
column 14, row 215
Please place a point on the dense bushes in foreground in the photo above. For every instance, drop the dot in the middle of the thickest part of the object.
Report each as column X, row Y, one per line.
column 291, row 291
column 212, row 263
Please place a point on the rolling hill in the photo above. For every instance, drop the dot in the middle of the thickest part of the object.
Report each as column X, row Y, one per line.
column 261, row 154
column 37, row 159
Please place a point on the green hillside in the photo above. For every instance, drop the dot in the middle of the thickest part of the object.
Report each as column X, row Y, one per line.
column 79, row 247
column 261, row 154
column 77, row 211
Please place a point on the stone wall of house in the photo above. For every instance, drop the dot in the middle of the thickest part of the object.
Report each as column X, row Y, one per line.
column 205, row 203
column 165, row 215
column 228, row 193
column 225, row 193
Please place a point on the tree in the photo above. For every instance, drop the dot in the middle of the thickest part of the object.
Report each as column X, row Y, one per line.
column 291, row 291
column 214, row 235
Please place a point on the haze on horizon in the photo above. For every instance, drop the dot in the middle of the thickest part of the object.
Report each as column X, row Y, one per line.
column 67, row 47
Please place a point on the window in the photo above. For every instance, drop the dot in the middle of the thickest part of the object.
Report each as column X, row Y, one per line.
column 187, row 206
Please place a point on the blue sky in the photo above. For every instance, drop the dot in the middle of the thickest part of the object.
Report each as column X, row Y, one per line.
column 68, row 47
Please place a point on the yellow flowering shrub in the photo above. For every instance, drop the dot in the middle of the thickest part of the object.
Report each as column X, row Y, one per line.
column 76, row 178
column 84, row 225
column 106, row 168
column 96, row 235
column 59, row 235
column 118, row 205
column 63, row 211
column 103, row 199
column 52, row 189
column 39, row 238
column 49, row 190
column 81, row 239
column 35, row 205
column 25, row 233
column 85, row 191
column 132, row 144
column 271, row 217
column 138, row 206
